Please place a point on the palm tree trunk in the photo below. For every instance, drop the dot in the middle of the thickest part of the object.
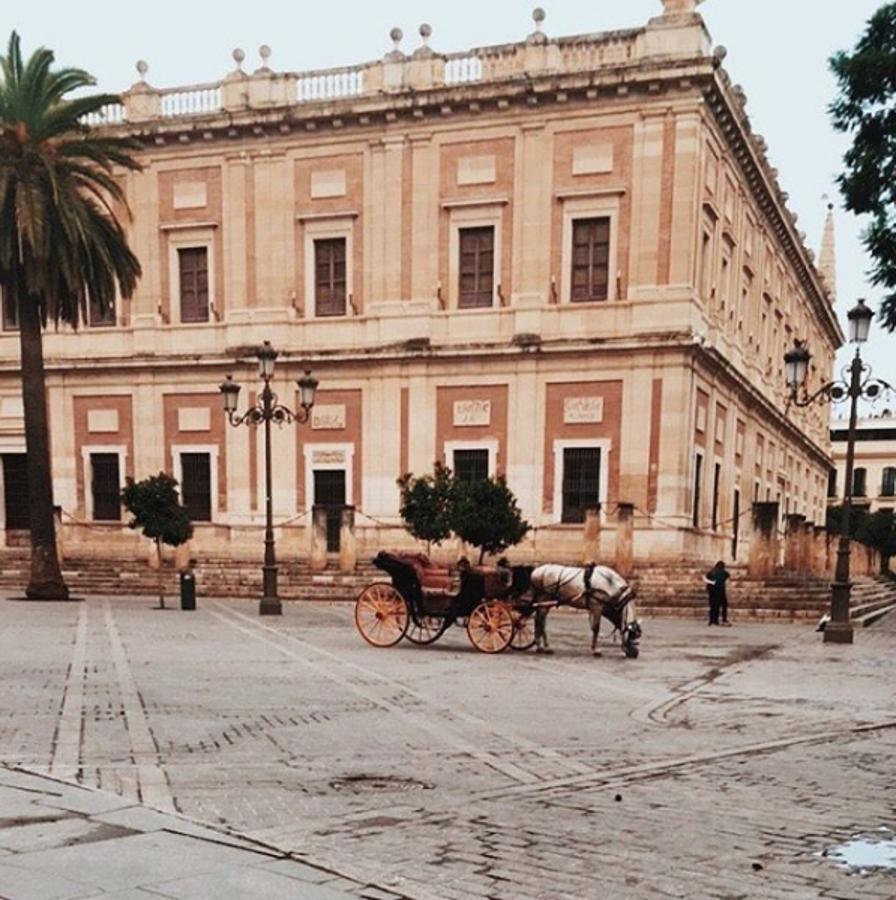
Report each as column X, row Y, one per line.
column 46, row 582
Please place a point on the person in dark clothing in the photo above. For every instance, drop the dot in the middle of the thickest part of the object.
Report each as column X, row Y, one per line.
column 715, row 580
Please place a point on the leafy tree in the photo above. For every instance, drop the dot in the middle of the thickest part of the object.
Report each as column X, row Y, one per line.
column 61, row 245
column 426, row 504
column 156, row 509
column 865, row 108
column 878, row 530
column 485, row 513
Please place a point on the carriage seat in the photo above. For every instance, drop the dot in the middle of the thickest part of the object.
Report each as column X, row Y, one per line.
column 430, row 576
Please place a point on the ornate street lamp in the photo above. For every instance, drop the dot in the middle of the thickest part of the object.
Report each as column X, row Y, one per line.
column 856, row 383
column 265, row 411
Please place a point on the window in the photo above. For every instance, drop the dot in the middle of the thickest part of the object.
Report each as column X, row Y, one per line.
column 99, row 314
column 471, row 465
column 716, row 478
column 590, row 259
column 888, row 482
column 330, row 289
column 105, row 487
column 193, row 269
column 832, row 483
column 581, row 482
column 477, row 267
column 698, row 482
column 859, row 483
column 10, row 311
column 196, row 485
column 735, row 537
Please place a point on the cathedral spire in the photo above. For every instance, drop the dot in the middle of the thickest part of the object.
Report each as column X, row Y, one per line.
column 827, row 260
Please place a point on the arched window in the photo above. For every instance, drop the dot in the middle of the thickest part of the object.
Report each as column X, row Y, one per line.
column 859, row 482
column 888, row 482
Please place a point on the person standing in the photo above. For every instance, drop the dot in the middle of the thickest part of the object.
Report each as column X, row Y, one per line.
column 715, row 580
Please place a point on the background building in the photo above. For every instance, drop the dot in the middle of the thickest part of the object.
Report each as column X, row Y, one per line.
column 566, row 260
column 874, row 471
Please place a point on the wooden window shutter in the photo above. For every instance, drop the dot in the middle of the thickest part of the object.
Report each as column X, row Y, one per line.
column 590, row 259
column 99, row 315
column 477, row 267
column 196, row 485
column 330, row 283
column 193, row 263
column 10, row 311
column 105, row 486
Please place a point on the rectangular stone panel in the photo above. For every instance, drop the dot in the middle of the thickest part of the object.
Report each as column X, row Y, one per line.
column 101, row 421
column 327, row 183
column 328, row 417
column 11, row 408
column 592, row 159
column 583, row 410
column 472, row 413
column 194, row 418
column 190, row 195
column 476, row 170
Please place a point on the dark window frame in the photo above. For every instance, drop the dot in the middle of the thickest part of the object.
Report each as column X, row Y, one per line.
column 590, row 258
column 888, row 482
column 716, row 485
column 330, row 277
column 195, row 298
column 697, row 489
column 10, row 313
column 476, row 267
column 196, row 493
column 860, row 482
column 580, row 483
column 105, row 494
column 470, row 467
column 100, row 318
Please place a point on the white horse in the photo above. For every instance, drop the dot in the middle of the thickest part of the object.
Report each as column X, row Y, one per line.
column 599, row 589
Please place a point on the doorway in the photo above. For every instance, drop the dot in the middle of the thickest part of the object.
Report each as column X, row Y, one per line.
column 15, row 491
column 329, row 492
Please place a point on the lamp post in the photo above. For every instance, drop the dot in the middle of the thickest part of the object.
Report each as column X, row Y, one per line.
column 856, row 383
column 266, row 410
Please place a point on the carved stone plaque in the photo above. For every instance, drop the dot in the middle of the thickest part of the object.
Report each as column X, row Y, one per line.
column 582, row 410
column 190, row 195
column 327, row 457
column 328, row 418
column 102, row 420
column 471, row 413
column 194, row 418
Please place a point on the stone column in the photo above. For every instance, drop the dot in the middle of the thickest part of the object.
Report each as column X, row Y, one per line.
column 591, row 548
column 793, row 542
column 625, row 538
column 348, row 547
column 764, row 540
column 318, row 538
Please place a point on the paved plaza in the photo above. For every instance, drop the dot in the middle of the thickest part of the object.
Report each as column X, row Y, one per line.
column 720, row 764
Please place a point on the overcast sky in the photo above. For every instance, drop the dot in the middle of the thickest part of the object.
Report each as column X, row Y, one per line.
column 778, row 50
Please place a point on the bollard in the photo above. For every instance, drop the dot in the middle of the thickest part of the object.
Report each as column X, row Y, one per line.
column 187, row 590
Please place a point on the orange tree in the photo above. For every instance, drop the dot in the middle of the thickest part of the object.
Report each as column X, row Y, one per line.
column 62, row 246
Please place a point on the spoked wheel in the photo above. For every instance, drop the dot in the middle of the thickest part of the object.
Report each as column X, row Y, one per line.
column 523, row 630
column 426, row 630
column 381, row 615
column 490, row 626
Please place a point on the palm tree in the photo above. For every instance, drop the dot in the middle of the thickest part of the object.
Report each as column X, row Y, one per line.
column 62, row 246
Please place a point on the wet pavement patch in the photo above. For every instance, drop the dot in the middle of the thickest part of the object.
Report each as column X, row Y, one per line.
column 865, row 852
column 377, row 784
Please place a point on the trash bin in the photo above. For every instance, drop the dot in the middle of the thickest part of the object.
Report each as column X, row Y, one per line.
column 187, row 590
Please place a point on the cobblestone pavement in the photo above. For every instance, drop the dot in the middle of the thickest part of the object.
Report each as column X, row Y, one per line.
column 721, row 764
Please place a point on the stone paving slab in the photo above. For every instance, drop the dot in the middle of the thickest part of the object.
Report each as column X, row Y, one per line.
column 437, row 773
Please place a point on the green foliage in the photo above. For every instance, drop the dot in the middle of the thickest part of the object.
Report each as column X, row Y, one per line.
column 157, row 510
column 876, row 530
column 425, row 504
column 485, row 513
column 865, row 108
column 61, row 241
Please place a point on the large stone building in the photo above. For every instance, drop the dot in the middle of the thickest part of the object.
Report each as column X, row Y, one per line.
column 567, row 260
column 874, row 470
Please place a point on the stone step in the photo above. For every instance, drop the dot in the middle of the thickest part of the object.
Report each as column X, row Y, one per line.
column 864, row 619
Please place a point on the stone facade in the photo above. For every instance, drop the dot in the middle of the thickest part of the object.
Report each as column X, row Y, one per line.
column 874, row 470
column 636, row 282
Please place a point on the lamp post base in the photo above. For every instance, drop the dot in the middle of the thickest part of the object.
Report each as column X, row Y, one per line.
column 270, row 606
column 838, row 633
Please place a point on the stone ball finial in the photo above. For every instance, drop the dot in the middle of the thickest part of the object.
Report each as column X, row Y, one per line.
column 264, row 51
column 538, row 16
column 238, row 56
column 425, row 32
column 142, row 68
column 396, row 34
column 720, row 53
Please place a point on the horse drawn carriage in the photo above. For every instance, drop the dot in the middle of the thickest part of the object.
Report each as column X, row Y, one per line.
column 423, row 600
column 500, row 606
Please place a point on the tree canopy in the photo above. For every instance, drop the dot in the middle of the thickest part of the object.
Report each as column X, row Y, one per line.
column 865, row 108
column 156, row 509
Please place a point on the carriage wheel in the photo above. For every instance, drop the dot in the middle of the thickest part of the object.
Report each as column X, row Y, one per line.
column 523, row 630
column 426, row 630
column 381, row 615
column 490, row 626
